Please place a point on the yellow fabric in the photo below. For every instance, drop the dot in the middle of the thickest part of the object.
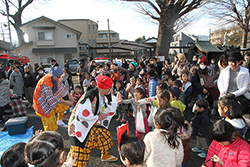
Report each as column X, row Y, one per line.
column 155, row 103
column 50, row 124
column 99, row 138
column 178, row 104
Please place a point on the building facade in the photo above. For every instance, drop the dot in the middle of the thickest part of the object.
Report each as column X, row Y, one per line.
column 49, row 39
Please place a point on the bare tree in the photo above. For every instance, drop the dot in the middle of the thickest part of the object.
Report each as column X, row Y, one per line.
column 170, row 14
column 16, row 18
column 232, row 12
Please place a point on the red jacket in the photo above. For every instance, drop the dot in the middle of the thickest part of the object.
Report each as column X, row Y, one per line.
column 236, row 154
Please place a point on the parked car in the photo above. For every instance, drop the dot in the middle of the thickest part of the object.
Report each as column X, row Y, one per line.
column 101, row 60
column 73, row 65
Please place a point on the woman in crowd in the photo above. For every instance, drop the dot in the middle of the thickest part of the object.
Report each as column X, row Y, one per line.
column 234, row 78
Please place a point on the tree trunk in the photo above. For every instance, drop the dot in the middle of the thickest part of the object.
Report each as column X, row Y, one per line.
column 17, row 24
column 244, row 37
column 165, row 34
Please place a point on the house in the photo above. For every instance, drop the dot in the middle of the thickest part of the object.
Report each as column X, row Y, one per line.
column 49, row 39
column 102, row 42
column 89, row 30
column 180, row 40
column 206, row 48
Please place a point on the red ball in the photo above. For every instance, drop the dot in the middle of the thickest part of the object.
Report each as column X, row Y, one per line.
column 78, row 134
column 85, row 113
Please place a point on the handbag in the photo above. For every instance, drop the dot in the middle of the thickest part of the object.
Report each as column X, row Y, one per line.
column 120, row 131
column 206, row 81
column 140, row 122
column 151, row 116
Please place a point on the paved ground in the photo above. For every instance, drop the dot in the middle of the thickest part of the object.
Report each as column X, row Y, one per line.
column 95, row 160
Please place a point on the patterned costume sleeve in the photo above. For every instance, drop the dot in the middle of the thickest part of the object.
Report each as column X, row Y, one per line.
column 46, row 93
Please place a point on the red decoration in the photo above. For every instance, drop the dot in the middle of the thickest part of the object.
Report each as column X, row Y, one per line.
column 78, row 134
column 85, row 113
column 111, row 113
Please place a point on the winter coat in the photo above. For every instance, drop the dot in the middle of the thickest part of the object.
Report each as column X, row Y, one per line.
column 179, row 68
column 236, row 154
column 178, row 104
column 158, row 153
column 239, row 124
column 17, row 81
column 201, row 123
column 185, row 136
column 242, row 81
column 195, row 81
column 29, row 80
column 79, row 72
column 188, row 90
column 5, row 92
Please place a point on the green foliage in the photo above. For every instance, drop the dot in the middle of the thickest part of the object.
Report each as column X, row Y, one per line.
column 140, row 39
column 235, row 39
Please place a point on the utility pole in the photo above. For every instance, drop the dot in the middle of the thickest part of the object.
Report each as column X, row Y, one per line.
column 7, row 10
column 109, row 41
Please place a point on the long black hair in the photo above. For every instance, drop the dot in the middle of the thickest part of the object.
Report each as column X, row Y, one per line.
column 44, row 149
column 164, row 119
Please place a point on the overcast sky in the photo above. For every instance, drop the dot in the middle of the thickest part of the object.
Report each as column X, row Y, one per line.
column 123, row 18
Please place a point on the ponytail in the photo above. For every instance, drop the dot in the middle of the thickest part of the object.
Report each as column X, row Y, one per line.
column 169, row 127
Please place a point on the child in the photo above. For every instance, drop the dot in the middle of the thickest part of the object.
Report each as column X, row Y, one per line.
column 92, row 84
column 184, row 132
column 174, row 96
column 178, row 84
column 227, row 148
column 132, row 151
column 171, row 80
column 121, row 109
column 130, row 87
column 14, row 156
column 139, row 84
column 230, row 109
column 163, row 146
column 138, row 93
column 77, row 94
column 200, row 123
column 86, row 81
column 130, row 92
column 47, row 149
column 187, row 88
column 152, row 83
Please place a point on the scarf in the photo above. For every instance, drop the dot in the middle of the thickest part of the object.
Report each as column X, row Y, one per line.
column 54, row 88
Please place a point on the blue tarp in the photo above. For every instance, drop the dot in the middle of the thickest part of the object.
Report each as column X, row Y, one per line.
column 7, row 141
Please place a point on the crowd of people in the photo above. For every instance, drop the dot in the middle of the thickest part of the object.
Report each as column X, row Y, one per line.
column 159, row 96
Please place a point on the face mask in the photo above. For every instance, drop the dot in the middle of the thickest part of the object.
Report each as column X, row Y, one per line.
column 194, row 59
column 40, row 72
column 202, row 66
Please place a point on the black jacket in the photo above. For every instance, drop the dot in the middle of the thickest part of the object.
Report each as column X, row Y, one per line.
column 201, row 123
column 29, row 80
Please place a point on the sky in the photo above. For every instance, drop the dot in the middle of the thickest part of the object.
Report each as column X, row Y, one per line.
column 122, row 17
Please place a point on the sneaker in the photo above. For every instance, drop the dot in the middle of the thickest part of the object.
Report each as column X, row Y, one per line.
column 196, row 149
column 203, row 154
column 118, row 119
column 123, row 120
column 61, row 123
column 108, row 158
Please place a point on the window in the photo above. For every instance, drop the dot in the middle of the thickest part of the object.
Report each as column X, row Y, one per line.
column 113, row 36
column 46, row 35
column 94, row 41
column 93, row 29
column 89, row 30
column 103, row 36
column 90, row 41
column 68, row 36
